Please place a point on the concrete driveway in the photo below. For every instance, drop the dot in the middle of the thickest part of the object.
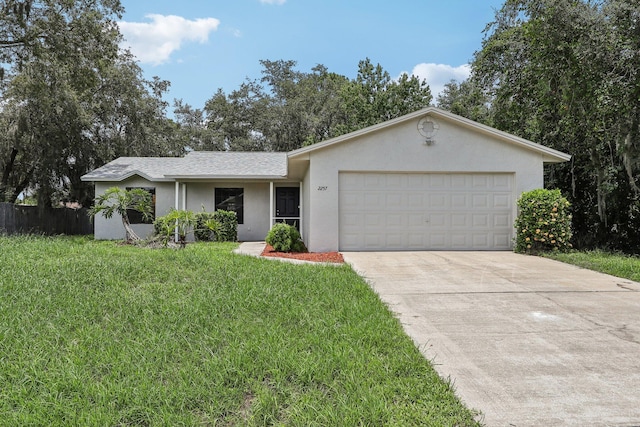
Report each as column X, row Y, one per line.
column 527, row 341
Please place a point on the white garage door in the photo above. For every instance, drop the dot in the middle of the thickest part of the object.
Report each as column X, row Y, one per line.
column 414, row 211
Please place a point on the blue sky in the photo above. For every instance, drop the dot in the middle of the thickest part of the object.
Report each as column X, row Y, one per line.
column 203, row 45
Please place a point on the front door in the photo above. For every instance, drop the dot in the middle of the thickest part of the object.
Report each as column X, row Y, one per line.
column 288, row 205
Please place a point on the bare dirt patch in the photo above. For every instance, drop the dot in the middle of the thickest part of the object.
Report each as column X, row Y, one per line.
column 332, row 257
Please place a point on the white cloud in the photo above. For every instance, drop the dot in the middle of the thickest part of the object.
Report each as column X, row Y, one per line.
column 437, row 75
column 273, row 1
column 154, row 42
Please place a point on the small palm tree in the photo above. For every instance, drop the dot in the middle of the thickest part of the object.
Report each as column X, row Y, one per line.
column 117, row 200
column 184, row 222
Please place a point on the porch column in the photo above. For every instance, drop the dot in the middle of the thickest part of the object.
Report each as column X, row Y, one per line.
column 184, row 197
column 176, row 207
column 301, row 212
column 270, row 204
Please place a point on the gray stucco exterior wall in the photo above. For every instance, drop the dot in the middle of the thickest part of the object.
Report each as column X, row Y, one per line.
column 112, row 229
column 402, row 149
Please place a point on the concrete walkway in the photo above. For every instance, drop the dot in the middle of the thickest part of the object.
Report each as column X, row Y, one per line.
column 527, row 341
column 250, row 248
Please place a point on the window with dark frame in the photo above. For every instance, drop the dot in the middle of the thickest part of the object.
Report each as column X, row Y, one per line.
column 136, row 217
column 231, row 199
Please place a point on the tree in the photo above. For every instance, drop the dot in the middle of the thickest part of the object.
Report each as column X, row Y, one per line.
column 33, row 28
column 193, row 130
column 237, row 120
column 118, row 201
column 373, row 97
column 72, row 101
column 466, row 99
column 287, row 108
column 563, row 73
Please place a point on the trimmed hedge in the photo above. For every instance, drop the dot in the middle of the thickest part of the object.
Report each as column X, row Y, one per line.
column 203, row 232
column 227, row 226
column 543, row 222
column 285, row 238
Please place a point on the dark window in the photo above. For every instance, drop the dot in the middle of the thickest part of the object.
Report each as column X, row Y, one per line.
column 231, row 199
column 135, row 217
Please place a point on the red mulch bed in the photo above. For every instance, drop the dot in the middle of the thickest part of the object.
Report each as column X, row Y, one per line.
column 333, row 257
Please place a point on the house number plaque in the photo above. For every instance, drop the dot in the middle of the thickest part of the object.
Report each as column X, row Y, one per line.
column 322, row 188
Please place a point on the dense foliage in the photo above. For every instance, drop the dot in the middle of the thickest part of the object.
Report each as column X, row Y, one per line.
column 287, row 108
column 70, row 99
column 285, row 238
column 205, row 226
column 220, row 226
column 226, row 225
column 543, row 222
column 564, row 73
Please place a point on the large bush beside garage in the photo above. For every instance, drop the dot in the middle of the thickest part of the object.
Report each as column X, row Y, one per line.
column 543, row 222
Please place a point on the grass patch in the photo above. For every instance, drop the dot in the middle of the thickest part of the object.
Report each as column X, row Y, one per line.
column 93, row 333
column 616, row 264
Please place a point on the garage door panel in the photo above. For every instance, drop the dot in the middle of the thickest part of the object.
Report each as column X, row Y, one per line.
column 374, row 220
column 395, row 220
column 459, row 240
column 393, row 199
column 501, row 220
column 480, row 221
column 480, row 201
column 438, row 220
column 416, row 220
column 373, row 181
column 373, row 201
column 501, row 200
column 441, row 211
column 503, row 182
column 481, row 240
column 437, row 241
column 458, row 201
column 502, row 241
column 438, row 201
column 459, row 221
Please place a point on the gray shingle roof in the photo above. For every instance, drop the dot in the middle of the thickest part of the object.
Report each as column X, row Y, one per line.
column 234, row 164
column 195, row 165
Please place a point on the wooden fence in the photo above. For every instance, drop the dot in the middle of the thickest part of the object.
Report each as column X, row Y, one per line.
column 19, row 219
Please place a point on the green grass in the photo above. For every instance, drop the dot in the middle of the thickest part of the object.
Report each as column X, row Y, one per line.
column 94, row 333
column 616, row 264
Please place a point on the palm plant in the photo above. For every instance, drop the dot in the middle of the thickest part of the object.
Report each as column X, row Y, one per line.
column 116, row 200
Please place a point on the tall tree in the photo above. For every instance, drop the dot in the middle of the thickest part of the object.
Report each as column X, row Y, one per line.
column 466, row 99
column 374, row 97
column 72, row 100
column 559, row 72
column 287, row 108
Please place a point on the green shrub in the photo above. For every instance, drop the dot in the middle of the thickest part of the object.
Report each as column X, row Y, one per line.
column 227, row 226
column 165, row 226
column 543, row 222
column 204, row 230
column 285, row 238
column 164, row 229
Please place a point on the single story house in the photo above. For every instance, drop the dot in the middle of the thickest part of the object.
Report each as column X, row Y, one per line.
column 429, row 180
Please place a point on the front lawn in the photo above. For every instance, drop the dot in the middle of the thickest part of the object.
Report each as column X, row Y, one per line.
column 616, row 264
column 96, row 333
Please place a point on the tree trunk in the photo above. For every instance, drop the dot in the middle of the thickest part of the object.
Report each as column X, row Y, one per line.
column 130, row 235
column 629, row 156
column 8, row 168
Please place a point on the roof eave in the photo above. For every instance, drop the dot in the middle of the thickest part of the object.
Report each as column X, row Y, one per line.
column 89, row 178
column 226, row 177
